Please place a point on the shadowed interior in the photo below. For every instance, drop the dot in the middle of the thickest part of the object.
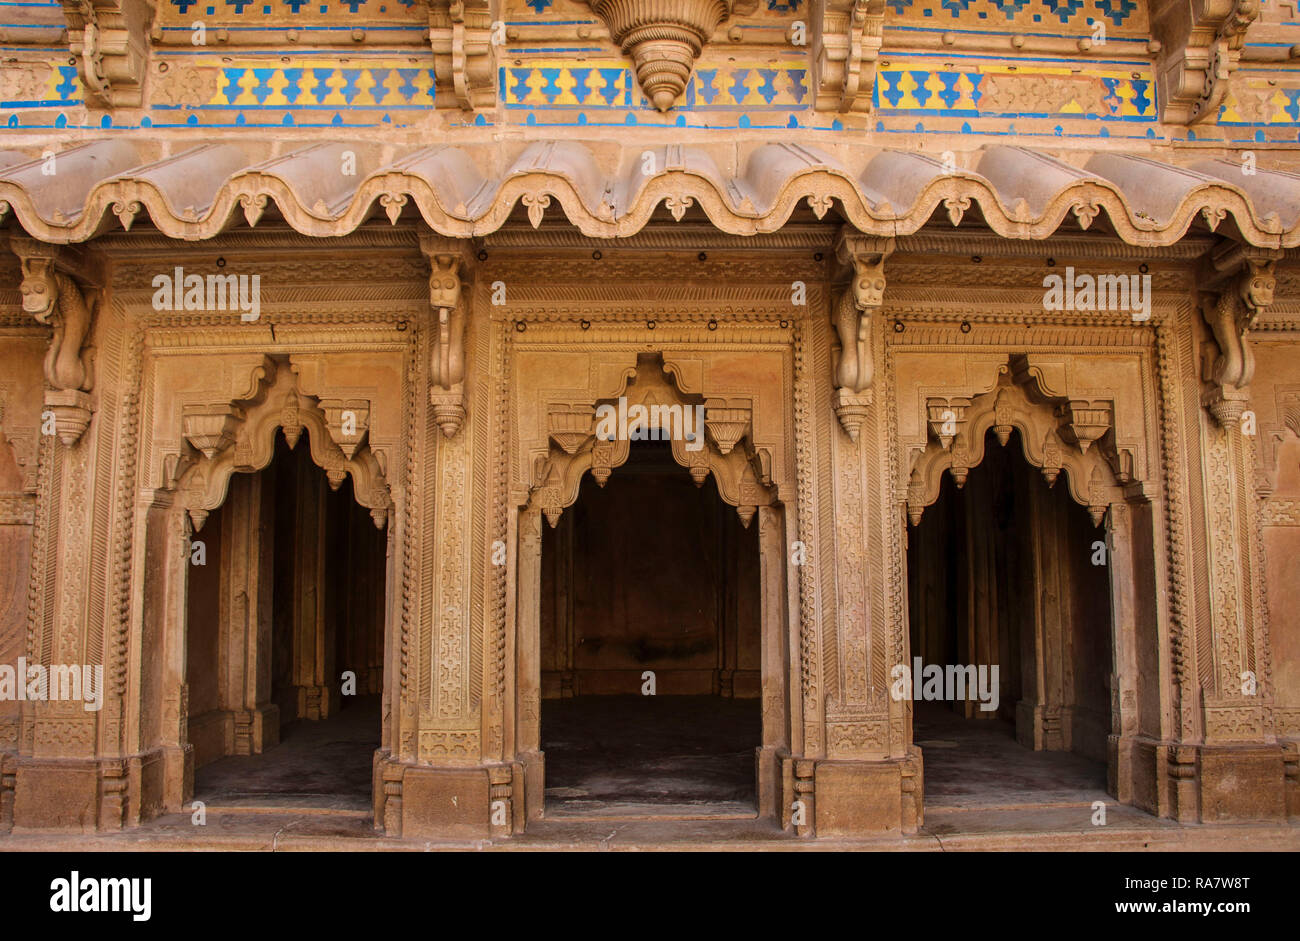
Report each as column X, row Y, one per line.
column 680, row 602
column 1009, row 571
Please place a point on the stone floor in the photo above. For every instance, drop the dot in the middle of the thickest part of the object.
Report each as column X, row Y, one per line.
column 323, row 765
column 666, row 755
column 978, row 764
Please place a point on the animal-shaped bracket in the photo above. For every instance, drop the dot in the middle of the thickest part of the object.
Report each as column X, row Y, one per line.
column 864, row 295
column 56, row 298
column 1237, row 284
column 449, row 265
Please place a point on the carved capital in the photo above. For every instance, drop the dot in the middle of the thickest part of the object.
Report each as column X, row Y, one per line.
column 110, row 41
column 947, row 418
column 1237, row 283
column 71, row 411
column 464, row 59
column 847, row 36
column 348, row 422
column 663, row 39
column 211, row 428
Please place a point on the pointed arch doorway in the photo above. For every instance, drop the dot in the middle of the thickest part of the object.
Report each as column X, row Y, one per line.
column 276, row 646
column 285, row 703
column 1022, row 577
column 653, row 662
column 650, row 646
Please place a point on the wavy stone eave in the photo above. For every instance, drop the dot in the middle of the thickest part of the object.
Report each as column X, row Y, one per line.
column 1148, row 203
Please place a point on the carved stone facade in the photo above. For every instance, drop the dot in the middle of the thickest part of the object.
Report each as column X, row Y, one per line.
column 418, row 325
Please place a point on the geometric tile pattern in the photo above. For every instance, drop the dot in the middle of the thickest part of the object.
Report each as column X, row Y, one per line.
column 559, row 84
column 1070, row 17
column 995, row 90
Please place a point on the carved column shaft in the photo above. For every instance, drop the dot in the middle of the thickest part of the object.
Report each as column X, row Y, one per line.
column 247, row 561
column 315, row 690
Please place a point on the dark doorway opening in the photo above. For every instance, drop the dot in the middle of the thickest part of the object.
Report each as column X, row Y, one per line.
column 1010, row 571
column 650, row 640
column 285, row 641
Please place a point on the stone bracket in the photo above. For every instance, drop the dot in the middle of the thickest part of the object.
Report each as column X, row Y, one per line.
column 110, row 41
column 1083, row 422
column 449, row 262
column 846, row 41
column 1236, row 283
column 1201, row 42
column 727, row 420
column 348, row 421
column 211, row 428
column 947, row 418
column 570, row 425
column 52, row 292
column 460, row 34
column 865, row 256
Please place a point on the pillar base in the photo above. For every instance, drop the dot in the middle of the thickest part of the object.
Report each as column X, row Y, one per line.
column 317, row 702
column 857, row 798
column 1241, row 783
column 87, row 795
column 253, row 731
column 421, row 802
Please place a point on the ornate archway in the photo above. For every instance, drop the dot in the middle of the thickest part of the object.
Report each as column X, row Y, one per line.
column 652, row 404
column 1063, row 429
column 738, row 441
column 220, row 448
column 238, row 436
column 1058, row 434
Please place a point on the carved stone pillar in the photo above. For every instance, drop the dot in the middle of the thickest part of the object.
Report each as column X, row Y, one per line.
column 528, row 660
column 57, row 782
column 1226, row 764
column 452, row 656
column 1040, row 723
column 247, row 562
column 315, row 690
column 775, row 659
column 977, row 640
column 1125, row 611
